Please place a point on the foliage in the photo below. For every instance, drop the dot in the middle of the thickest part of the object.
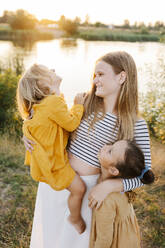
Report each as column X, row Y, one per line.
column 99, row 24
column 25, row 35
column 9, row 119
column 6, row 16
column 153, row 103
column 18, row 192
column 69, row 26
column 21, row 19
column 113, row 35
column 144, row 30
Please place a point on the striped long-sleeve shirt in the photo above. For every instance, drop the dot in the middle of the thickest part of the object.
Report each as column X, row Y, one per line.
column 88, row 142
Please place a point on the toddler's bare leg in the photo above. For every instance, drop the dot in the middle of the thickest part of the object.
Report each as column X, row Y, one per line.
column 77, row 190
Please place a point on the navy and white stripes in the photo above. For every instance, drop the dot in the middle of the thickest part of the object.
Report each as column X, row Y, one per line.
column 87, row 143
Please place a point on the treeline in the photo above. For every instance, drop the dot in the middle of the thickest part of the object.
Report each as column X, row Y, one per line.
column 21, row 19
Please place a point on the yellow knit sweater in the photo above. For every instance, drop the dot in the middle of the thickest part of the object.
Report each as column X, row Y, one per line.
column 49, row 129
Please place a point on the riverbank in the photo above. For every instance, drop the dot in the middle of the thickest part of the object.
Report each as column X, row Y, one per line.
column 24, row 35
column 18, row 193
column 86, row 33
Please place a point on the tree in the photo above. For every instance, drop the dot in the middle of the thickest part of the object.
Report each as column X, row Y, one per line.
column 47, row 21
column 126, row 23
column 158, row 25
column 99, row 24
column 141, row 25
column 69, row 26
column 22, row 20
column 62, row 21
column 87, row 20
column 6, row 16
column 77, row 20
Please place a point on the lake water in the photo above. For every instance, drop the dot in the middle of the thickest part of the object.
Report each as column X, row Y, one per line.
column 75, row 60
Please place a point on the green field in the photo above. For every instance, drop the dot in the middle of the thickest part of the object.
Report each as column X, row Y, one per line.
column 18, row 193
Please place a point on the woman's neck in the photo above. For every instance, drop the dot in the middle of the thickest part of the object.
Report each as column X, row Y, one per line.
column 110, row 104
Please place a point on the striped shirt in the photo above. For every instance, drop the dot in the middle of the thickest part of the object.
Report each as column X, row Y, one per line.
column 87, row 143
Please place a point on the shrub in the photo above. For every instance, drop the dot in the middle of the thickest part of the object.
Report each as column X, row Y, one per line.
column 9, row 119
column 153, row 103
column 69, row 26
column 21, row 19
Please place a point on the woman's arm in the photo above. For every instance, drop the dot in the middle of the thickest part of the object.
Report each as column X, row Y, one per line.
column 142, row 139
column 100, row 191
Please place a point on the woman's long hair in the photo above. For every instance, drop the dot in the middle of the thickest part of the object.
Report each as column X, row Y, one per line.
column 127, row 103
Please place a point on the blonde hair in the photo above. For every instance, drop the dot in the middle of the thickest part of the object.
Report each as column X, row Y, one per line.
column 127, row 103
column 32, row 88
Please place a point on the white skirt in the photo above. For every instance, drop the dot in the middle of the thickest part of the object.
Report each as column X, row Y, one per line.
column 51, row 228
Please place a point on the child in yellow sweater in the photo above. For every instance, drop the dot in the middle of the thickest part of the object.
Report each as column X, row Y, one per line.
column 114, row 224
column 48, row 123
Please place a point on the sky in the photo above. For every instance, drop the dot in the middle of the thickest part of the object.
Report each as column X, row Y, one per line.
column 105, row 11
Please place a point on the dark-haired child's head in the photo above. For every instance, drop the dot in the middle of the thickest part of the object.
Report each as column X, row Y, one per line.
column 124, row 159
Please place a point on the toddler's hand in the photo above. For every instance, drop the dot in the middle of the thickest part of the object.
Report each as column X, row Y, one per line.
column 28, row 143
column 80, row 98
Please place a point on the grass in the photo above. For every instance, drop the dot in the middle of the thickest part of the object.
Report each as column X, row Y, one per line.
column 150, row 203
column 86, row 33
column 18, row 191
column 116, row 35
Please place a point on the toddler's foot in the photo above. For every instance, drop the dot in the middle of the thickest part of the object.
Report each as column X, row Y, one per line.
column 78, row 224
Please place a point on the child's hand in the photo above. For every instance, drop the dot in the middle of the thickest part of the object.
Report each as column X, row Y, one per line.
column 28, row 143
column 80, row 98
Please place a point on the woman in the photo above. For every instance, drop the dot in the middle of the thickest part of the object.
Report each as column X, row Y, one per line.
column 111, row 113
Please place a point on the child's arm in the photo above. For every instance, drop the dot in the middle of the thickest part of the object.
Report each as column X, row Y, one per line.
column 105, row 218
column 67, row 119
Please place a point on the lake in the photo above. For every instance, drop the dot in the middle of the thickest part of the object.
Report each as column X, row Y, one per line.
column 74, row 60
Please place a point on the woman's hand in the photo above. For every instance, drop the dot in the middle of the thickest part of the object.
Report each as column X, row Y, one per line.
column 28, row 143
column 97, row 195
column 99, row 192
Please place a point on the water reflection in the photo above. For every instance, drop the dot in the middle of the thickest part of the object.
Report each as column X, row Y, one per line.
column 74, row 60
column 68, row 42
column 26, row 45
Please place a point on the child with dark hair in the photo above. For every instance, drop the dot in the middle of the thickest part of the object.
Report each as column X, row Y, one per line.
column 114, row 224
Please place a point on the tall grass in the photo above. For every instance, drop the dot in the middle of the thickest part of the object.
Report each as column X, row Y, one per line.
column 17, row 195
column 26, row 35
column 113, row 35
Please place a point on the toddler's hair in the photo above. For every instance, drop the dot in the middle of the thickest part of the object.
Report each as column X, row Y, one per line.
column 134, row 164
column 32, row 88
